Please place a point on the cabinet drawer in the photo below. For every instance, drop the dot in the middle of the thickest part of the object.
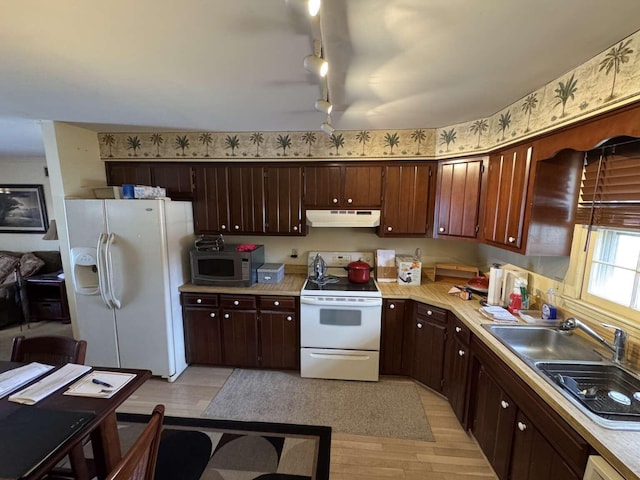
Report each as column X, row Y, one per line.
column 428, row 312
column 199, row 299
column 241, row 302
column 46, row 310
column 277, row 303
column 460, row 330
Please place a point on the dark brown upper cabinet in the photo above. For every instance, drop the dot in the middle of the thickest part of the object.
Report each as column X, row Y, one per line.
column 409, row 196
column 343, row 186
column 458, row 198
column 284, row 210
column 176, row 178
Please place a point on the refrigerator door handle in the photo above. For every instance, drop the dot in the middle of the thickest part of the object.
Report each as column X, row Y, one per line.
column 102, row 281
column 114, row 300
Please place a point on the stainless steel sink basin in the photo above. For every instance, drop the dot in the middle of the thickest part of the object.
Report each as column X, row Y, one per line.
column 605, row 389
column 544, row 343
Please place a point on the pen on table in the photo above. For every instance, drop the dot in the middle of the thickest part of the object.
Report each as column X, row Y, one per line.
column 100, row 382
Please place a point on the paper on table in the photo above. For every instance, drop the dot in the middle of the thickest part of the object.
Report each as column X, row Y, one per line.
column 85, row 387
column 49, row 384
column 16, row 377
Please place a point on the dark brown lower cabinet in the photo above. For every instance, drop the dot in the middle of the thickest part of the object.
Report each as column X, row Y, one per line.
column 458, row 364
column 522, row 437
column 391, row 337
column 202, row 329
column 280, row 340
column 240, row 338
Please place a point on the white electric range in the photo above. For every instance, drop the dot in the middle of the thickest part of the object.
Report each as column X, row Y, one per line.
column 340, row 321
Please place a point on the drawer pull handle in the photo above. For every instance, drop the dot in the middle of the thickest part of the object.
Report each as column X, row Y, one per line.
column 504, row 404
column 512, row 239
column 392, row 306
column 458, row 329
column 276, row 303
column 441, row 229
column 295, row 229
column 419, row 325
column 461, row 353
column 236, row 227
column 223, row 227
column 199, row 300
column 522, row 426
column 389, row 229
column 212, row 315
column 350, row 200
column 226, row 315
column 236, row 303
column 289, row 318
column 429, row 312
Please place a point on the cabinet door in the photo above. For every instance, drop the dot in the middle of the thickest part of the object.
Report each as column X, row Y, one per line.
column 246, row 199
column 323, row 186
column 406, row 205
column 202, row 335
column 533, row 458
column 458, row 199
column 428, row 346
column 280, row 340
column 211, row 204
column 393, row 312
column 284, row 210
column 457, row 378
column 240, row 338
column 362, row 187
column 507, row 183
column 176, row 178
column 494, row 420
column 119, row 173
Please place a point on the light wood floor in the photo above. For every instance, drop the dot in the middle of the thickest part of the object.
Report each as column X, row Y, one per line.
column 453, row 456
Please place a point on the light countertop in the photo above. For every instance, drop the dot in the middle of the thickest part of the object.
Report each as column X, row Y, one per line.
column 620, row 448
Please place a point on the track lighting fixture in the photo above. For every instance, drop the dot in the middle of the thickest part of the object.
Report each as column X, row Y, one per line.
column 317, row 65
column 323, row 106
column 327, row 128
column 314, row 7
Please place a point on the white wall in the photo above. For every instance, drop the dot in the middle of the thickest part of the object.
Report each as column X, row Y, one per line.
column 27, row 171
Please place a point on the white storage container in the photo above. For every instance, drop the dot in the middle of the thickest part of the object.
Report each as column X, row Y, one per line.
column 271, row 273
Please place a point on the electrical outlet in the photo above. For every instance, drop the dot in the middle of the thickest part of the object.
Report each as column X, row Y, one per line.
column 294, row 253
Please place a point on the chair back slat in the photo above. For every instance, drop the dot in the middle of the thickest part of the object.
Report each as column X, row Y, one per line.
column 52, row 350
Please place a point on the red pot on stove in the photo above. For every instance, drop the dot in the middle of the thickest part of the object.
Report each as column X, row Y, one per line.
column 359, row 272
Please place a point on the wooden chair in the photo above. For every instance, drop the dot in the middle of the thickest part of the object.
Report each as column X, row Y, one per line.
column 139, row 463
column 53, row 350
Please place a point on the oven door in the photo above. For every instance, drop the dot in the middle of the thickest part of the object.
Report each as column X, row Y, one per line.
column 349, row 323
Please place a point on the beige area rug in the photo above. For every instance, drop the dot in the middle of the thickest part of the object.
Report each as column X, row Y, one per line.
column 383, row 409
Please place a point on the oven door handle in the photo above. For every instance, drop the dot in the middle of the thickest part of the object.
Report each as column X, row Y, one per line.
column 346, row 303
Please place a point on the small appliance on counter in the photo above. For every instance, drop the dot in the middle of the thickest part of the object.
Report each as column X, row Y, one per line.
column 234, row 265
column 409, row 269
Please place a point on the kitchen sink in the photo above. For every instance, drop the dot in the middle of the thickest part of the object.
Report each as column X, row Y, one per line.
column 533, row 343
column 605, row 389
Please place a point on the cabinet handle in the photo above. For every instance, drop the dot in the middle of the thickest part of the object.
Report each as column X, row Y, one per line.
column 392, row 306
column 349, row 200
column 512, row 239
column 289, row 318
column 295, row 228
column 461, row 353
column 522, row 426
column 334, row 200
column 441, row 229
column 212, row 315
column 276, row 303
column 236, row 227
column 223, row 227
column 419, row 325
column 458, row 329
column 389, row 229
column 236, row 303
column 504, row 404
column 429, row 312
column 199, row 300
column 226, row 315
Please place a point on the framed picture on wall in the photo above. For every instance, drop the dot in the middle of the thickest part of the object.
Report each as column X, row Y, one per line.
column 22, row 209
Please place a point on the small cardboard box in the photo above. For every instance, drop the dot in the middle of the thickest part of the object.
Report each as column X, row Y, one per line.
column 386, row 270
column 271, row 273
column 409, row 270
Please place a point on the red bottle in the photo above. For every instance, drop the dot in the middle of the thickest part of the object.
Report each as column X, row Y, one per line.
column 515, row 301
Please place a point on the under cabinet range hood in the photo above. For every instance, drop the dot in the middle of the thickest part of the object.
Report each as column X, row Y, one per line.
column 343, row 218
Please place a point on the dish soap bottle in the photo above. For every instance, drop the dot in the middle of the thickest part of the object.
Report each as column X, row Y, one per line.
column 515, row 300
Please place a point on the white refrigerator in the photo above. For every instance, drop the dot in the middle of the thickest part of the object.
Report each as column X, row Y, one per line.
column 128, row 258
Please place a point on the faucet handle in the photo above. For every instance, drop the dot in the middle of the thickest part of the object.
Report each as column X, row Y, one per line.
column 618, row 331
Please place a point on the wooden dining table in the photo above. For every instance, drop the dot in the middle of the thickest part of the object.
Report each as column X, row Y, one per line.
column 102, row 427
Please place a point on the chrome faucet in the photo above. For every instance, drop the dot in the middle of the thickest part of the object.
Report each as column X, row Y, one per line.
column 619, row 340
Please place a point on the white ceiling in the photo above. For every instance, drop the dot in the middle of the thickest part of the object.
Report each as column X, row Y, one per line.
column 236, row 65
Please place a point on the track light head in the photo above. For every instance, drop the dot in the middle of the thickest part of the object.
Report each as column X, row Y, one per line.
column 324, row 106
column 327, row 128
column 313, row 7
column 317, row 65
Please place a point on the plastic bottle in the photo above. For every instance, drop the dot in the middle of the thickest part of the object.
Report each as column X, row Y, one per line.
column 515, row 300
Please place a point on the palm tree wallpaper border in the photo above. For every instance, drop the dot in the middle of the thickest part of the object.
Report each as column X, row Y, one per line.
column 608, row 80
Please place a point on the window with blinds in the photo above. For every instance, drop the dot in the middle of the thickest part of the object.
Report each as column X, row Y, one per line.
column 610, row 191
